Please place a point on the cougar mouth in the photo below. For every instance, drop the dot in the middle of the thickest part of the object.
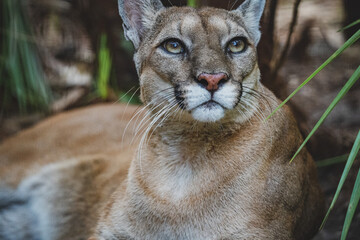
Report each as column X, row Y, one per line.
column 210, row 111
column 209, row 104
column 205, row 105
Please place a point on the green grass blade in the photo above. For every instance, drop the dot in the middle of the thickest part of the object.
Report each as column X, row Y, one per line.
column 332, row 161
column 192, row 3
column 350, row 161
column 343, row 91
column 104, row 69
column 350, row 25
column 22, row 77
column 347, row 44
column 354, row 200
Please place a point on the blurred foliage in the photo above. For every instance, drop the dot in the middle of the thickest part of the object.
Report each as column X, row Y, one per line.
column 126, row 45
column 356, row 190
column 355, row 196
column 332, row 161
column 192, row 3
column 21, row 74
column 104, row 68
column 354, row 151
column 106, row 84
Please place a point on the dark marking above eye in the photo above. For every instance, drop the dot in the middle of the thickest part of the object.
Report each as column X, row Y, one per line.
column 179, row 28
column 228, row 25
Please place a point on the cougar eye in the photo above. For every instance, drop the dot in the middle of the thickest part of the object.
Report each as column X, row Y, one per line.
column 173, row 46
column 237, row 45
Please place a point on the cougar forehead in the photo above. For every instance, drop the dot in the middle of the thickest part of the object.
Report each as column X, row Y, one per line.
column 173, row 79
column 196, row 27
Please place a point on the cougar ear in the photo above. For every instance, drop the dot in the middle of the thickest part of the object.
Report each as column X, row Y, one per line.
column 251, row 12
column 138, row 17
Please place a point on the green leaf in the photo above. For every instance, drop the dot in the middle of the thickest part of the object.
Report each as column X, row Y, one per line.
column 347, row 44
column 332, row 161
column 343, row 91
column 22, row 77
column 192, row 3
column 350, row 161
column 104, row 69
column 354, row 201
column 129, row 97
column 350, row 25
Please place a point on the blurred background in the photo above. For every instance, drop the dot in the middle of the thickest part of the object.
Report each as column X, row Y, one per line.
column 57, row 55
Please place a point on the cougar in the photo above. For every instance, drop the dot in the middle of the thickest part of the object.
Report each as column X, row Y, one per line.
column 198, row 161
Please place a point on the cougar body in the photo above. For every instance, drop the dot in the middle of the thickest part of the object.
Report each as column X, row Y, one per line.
column 206, row 165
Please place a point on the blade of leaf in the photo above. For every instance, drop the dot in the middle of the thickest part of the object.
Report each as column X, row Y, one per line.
column 350, row 25
column 332, row 161
column 192, row 3
column 104, row 68
column 343, row 91
column 24, row 83
column 354, row 201
column 350, row 161
column 347, row 44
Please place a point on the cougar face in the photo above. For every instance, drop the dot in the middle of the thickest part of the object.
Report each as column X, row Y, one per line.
column 201, row 62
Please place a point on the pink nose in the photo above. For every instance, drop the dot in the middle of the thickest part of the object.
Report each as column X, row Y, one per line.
column 212, row 81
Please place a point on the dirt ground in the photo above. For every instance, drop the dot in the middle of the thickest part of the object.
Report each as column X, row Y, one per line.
column 319, row 20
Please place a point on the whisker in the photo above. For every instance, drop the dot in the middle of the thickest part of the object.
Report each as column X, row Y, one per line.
column 232, row 6
column 150, row 118
column 127, row 105
column 164, row 117
column 137, row 113
column 145, row 134
column 257, row 111
column 170, row 3
column 259, row 95
column 166, row 98
column 124, row 95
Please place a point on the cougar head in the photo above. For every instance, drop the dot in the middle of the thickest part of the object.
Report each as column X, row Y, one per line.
column 198, row 61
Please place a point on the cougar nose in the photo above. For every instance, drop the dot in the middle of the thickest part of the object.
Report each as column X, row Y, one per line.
column 212, row 81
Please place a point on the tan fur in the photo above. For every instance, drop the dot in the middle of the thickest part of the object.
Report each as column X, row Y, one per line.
column 223, row 179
